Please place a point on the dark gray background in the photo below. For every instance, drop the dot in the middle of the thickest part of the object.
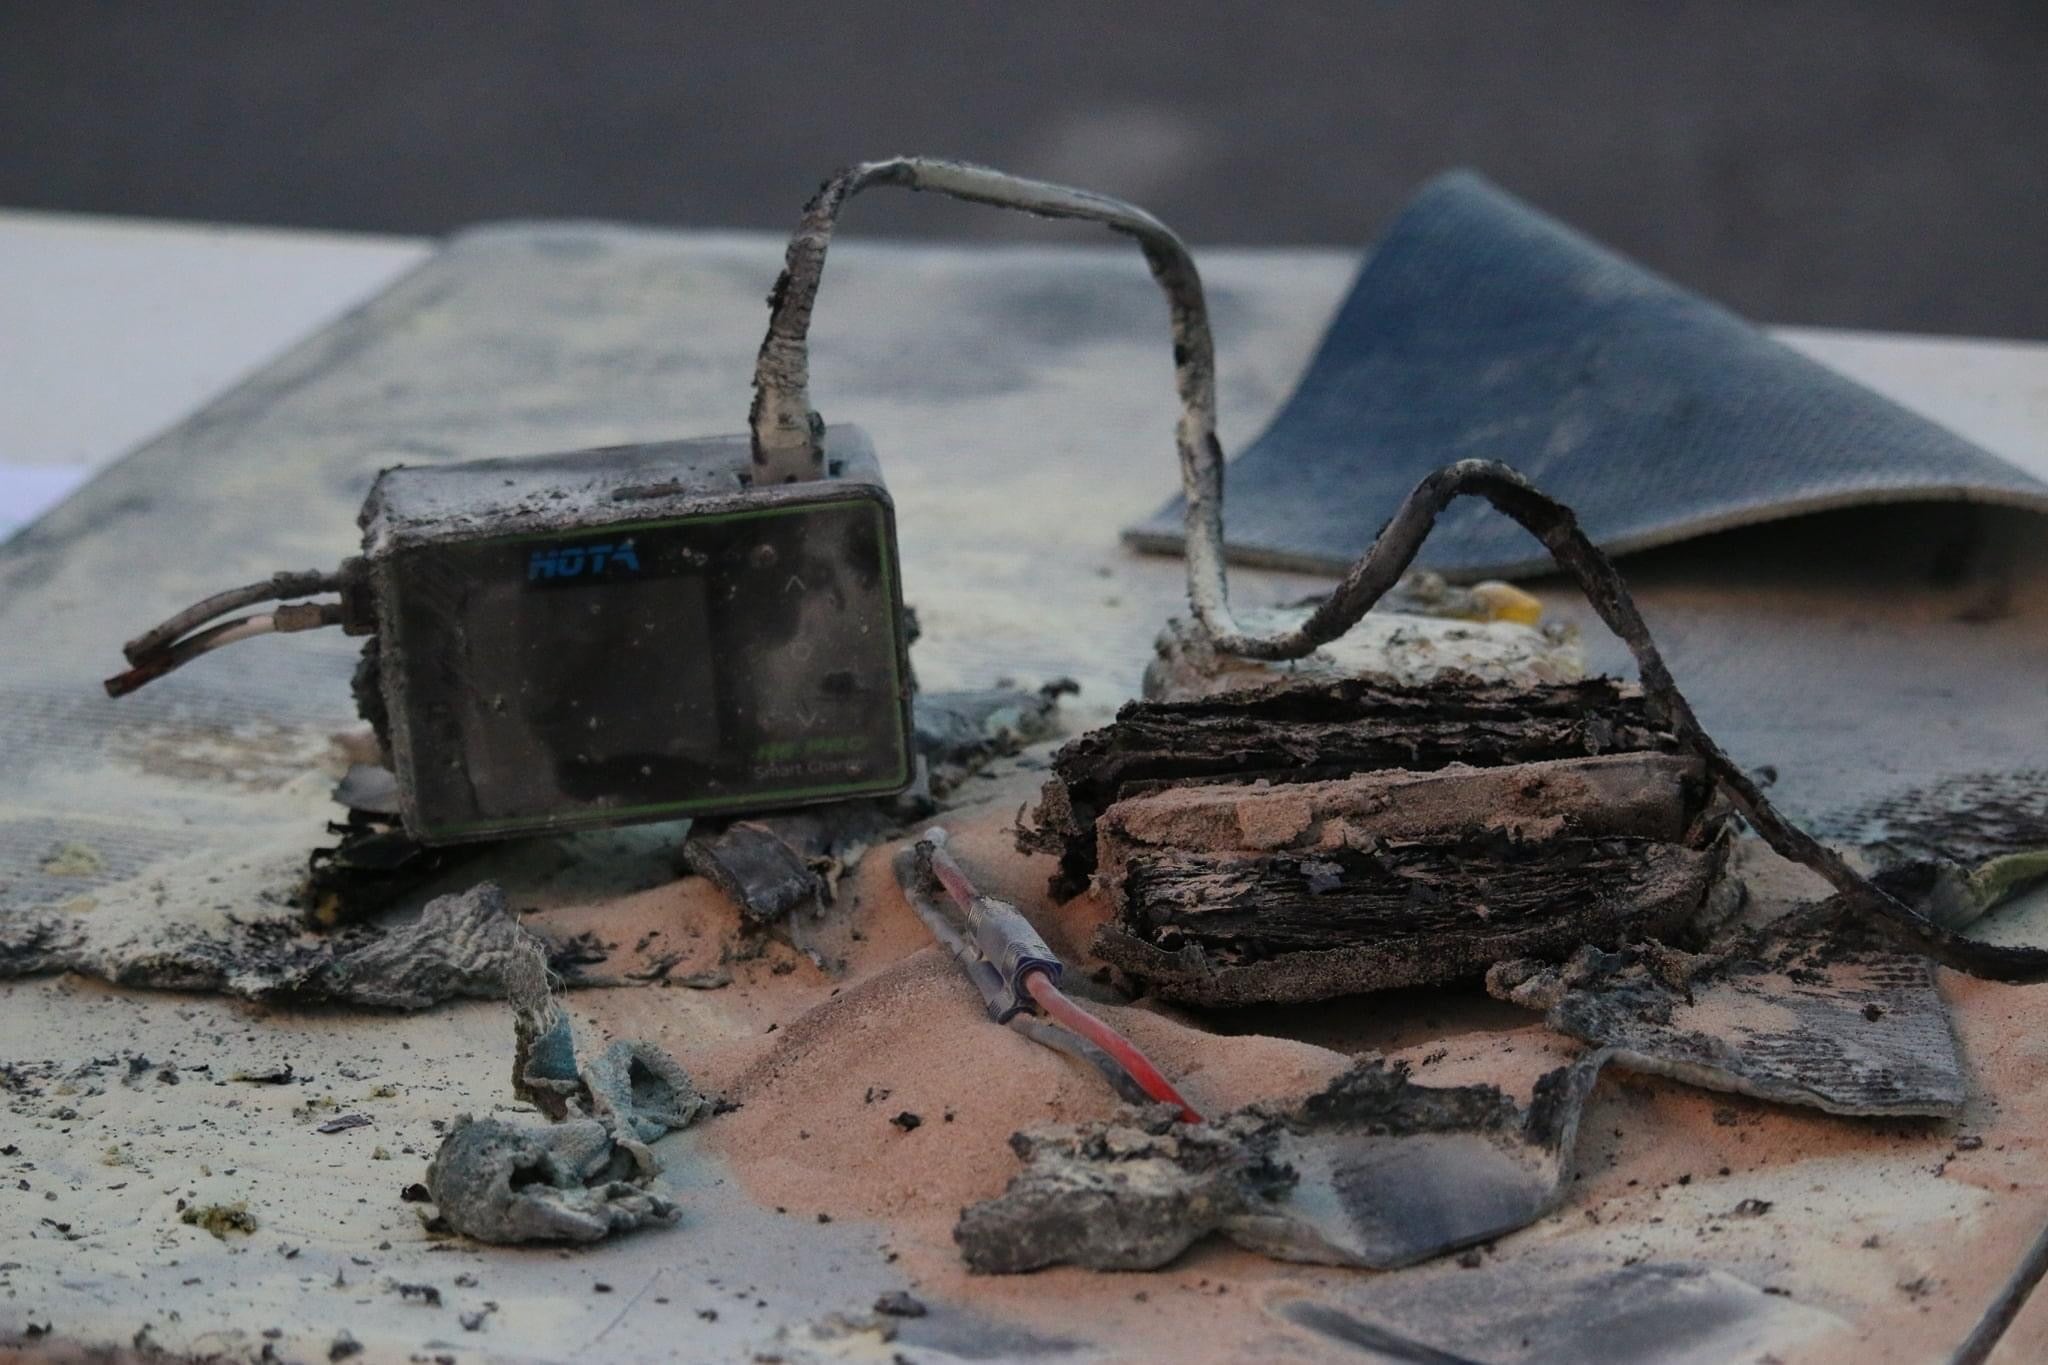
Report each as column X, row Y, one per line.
column 1872, row 163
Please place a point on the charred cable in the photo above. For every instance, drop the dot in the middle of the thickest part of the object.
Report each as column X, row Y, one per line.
column 276, row 588
column 786, row 429
column 167, row 658
column 787, row 432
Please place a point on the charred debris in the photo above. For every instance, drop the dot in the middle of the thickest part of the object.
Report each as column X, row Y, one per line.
column 1293, row 813
column 1307, row 840
column 1291, row 839
column 589, row 1171
column 1373, row 1171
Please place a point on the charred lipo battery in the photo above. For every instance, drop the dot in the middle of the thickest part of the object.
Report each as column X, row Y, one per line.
column 634, row 633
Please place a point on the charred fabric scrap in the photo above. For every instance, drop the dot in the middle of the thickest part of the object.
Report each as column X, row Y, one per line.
column 1373, row 1171
column 461, row 946
column 1813, row 1010
column 521, row 1182
column 591, row 1171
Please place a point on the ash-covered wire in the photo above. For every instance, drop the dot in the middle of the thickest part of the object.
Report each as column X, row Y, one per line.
column 787, row 432
column 1557, row 527
column 281, row 620
column 2012, row 1297
column 276, row 588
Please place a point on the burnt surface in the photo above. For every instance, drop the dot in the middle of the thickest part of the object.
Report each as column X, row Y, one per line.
column 1546, row 1305
column 1318, row 731
column 1967, row 820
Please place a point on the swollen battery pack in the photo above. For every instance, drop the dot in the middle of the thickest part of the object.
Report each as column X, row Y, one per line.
column 634, row 633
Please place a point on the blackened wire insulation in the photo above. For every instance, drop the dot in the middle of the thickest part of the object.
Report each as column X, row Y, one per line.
column 276, row 588
column 787, row 431
column 285, row 619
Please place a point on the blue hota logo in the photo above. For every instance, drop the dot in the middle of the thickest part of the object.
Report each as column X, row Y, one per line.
column 581, row 561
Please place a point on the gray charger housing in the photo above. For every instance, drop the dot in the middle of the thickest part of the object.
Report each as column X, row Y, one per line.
column 631, row 633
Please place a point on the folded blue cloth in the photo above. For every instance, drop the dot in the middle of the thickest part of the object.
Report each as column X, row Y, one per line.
column 1479, row 328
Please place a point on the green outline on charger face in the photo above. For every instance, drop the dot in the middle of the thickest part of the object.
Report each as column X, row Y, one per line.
column 601, row 816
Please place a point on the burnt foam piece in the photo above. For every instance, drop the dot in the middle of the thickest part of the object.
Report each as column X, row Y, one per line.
column 1479, row 328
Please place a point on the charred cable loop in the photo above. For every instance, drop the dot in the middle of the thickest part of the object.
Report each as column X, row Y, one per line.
column 786, row 429
column 1016, row 973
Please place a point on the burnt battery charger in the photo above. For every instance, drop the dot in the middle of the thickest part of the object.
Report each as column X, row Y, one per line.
column 689, row 628
column 634, row 633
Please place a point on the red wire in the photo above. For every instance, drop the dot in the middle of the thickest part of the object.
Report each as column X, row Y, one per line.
column 953, row 879
column 1071, row 1016
column 1064, row 1011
